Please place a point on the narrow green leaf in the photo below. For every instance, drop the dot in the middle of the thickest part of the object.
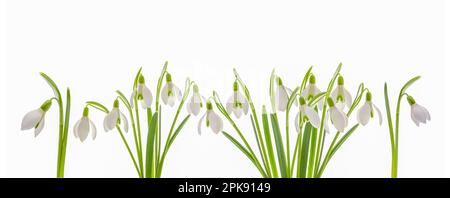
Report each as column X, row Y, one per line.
column 279, row 144
column 269, row 143
column 137, row 78
column 98, row 106
column 305, row 150
column 52, row 85
column 312, row 152
column 152, row 122
column 239, row 146
column 266, row 165
column 409, row 83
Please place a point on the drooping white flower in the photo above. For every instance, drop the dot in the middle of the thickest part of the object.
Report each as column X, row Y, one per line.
column 114, row 117
column 306, row 113
column 337, row 117
column 367, row 111
column 143, row 94
column 36, row 118
column 195, row 103
column 419, row 114
column 84, row 126
column 237, row 103
column 341, row 95
column 311, row 90
column 170, row 92
column 213, row 120
column 282, row 94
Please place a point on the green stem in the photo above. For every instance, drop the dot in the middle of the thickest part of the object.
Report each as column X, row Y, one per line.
column 139, row 138
column 129, row 151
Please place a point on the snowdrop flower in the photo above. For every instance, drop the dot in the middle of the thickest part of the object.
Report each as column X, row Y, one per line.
column 306, row 113
column 282, row 94
column 367, row 111
column 337, row 117
column 311, row 90
column 212, row 120
column 195, row 103
column 237, row 103
column 419, row 114
column 84, row 126
column 143, row 94
column 114, row 117
column 36, row 118
column 170, row 92
column 341, row 95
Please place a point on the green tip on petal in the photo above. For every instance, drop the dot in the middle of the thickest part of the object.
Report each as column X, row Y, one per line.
column 141, row 79
column 340, row 80
column 411, row 100
column 195, row 87
column 312, row 79
column 116, row 103
column 46, row 105
column 208, row 105
column 330, row 102
column 168, row 77
column 235, row 86
column 264, row 111
column 279, row 81
column 368, row 96
column 302, row 101
column 85, row 111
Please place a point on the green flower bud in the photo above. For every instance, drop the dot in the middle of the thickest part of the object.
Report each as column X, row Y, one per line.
column 208, row 105
column 302, row 101
column 116, row 103
column 312, row 79
column 235, row 86
column 195, row 87
column 368, row 96
column 279, row 81
column 168, row 77
column 46, row 105
column 330, row 102
column 340, row 80
column 85, row 112
column 411, row 100
column 141, row 79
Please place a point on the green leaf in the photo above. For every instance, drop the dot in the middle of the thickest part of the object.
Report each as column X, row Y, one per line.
column 137, row 78
column 152, row 129
column 266, row 165
column 269, row 143
column 239, row 146
column 98, row 106
column 177, row 131
column 409, row 83
column 124, row 100
column 52, row 85
column 312, row 152
column 305, row 150
column 279, row 144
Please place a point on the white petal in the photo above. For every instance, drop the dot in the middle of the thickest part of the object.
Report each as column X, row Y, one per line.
column 177, row 92
column 123, row 120
column 110, row 120
column 147, row 97
column 320, row 104
column 237, row 112
column 93, row 130
column 334, row 93
column 75, row 128
column 364, row 114
column 188, row 107
column 338, row 119
column 244, row 102
column 230, row 104
column 171, row 101
column 380, row 117
column 215, row 122
column 348, row 98
column 165, row 94
column 313, row 116
column 40, row 126
column 196, row 101
column 31, row 119
column 132, row 99
column 306, row 91
column 325, row 122
column 340, row 105
column 419, row 113
column 281, row 98
column 413, row 118
column 199, row 125
column 83, row 129
column 315, row 90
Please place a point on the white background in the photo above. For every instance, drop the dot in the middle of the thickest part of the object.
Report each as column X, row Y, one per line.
column 96, row 47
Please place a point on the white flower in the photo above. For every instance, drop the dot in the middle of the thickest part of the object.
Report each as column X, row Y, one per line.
column 237, row 103
column 195, row 103
column 367, row 111
column 170, row 92
column 419, row 114
column 36, row 118
column 282, row 94
column 306, row 112
column 143, row 94
column 84, row 126
column 212, row 120
column 337, row 117
column 341, row 95
column 311, row 90
column 114, row 117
